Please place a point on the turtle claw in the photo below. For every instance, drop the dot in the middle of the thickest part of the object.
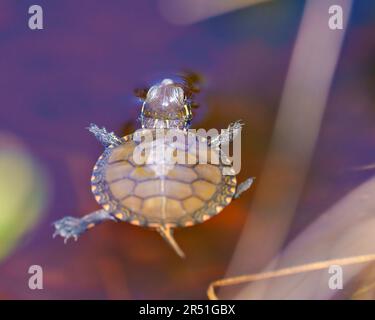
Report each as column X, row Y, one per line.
column 106, row 138
column 68, row 227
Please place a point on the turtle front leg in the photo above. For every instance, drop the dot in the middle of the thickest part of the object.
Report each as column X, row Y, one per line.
column 242, row 187
column 70, row 227
column 228, row 135
column 105, row 138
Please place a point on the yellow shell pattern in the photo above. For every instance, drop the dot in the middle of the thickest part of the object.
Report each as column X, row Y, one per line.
column 177, row 195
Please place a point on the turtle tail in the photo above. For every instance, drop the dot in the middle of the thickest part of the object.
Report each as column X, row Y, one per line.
column 167, row 234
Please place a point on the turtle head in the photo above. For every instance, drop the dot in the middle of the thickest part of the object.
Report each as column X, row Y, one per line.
column 166, row 106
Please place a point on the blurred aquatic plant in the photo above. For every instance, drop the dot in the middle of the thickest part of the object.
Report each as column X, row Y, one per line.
column 193, row 11
column 295, row 135
column 343, row 235
column 22, row 193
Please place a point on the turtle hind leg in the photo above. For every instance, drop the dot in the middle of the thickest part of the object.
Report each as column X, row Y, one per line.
column 70, row 227
column 167, row 234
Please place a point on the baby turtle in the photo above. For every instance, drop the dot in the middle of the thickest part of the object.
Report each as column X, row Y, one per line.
column 162, row 193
